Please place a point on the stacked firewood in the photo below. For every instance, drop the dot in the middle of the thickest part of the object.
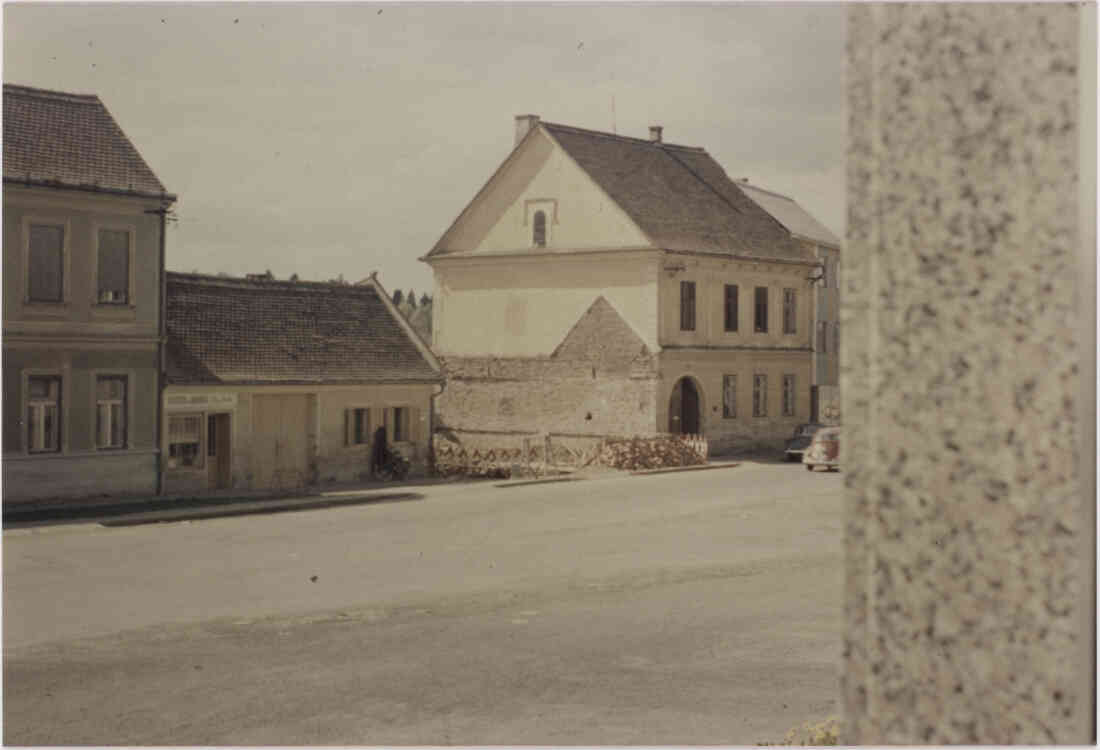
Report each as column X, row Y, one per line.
column 636, row 454
column 457, row 461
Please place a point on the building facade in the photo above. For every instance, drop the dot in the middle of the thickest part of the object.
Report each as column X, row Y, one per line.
column 283, row 384
column 83, row 233
column 603, row 285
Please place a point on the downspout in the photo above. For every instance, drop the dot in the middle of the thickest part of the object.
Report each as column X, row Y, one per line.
column 162, row 282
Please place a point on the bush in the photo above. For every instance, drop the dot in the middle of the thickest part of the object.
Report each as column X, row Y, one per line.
column 819, row 734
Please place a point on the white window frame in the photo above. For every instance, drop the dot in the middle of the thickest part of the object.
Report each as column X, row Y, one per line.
column 790, row 406
column 731, row 411
column 131, row 293
column 129, row 405
column 202, row 417
column 793, row 318
column 62, row 410
column 760, row 404
column 549, row 207
column 66, row 259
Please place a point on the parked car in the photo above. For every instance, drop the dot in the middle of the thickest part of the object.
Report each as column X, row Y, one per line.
column 824, row 450
column 798, row 443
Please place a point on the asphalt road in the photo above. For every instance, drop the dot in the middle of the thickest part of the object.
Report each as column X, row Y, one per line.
column 690, row 608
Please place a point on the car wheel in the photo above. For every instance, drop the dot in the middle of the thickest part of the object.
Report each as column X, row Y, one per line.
column 809, row 467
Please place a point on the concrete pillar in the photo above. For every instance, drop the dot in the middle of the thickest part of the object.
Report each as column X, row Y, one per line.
column 968, row 374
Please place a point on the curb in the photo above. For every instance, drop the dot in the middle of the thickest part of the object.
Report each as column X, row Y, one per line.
column 705, row 467
column 523, row 482
column 206, row 508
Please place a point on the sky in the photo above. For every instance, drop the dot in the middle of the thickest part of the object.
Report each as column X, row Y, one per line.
column 333, row 140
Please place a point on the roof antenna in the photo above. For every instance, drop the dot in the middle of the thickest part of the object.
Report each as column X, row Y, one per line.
column 613, row 130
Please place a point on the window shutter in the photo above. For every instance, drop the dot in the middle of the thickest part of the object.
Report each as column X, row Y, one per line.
column 387, row 414
column 45, row 260
column 414, row 424
column 114, row 265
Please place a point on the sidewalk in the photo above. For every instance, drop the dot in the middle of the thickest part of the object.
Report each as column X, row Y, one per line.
column 118, row 511
column 128, row 511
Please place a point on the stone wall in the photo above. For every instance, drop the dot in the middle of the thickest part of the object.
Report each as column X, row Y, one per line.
column 969, row 441
column 601, row 380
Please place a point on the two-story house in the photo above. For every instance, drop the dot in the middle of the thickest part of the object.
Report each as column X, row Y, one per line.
column 605, row 285
column 84, row 221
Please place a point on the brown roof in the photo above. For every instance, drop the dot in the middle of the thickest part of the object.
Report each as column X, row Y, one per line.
column 678, row 195
column 251, row 331
column 70, row 140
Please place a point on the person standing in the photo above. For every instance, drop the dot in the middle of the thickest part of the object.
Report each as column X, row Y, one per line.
column 379, row 450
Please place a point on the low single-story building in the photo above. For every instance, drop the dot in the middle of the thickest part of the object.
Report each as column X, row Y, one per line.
column 282, row 384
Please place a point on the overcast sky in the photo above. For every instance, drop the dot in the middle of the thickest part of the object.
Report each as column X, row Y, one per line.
column 338, row 139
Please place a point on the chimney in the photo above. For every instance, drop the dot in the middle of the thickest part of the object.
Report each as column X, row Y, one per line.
column 655, row 133
column 524, row 124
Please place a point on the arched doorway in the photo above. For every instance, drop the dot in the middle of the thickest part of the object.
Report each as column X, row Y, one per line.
column 683, row 408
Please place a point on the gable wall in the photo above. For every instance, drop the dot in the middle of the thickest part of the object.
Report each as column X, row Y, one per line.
column 525, row 308
column 584, row 216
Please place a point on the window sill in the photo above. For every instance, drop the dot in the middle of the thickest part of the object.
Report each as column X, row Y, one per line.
column 46, row 309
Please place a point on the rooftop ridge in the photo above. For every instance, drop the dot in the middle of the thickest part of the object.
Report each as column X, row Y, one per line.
column 741, row 183
column 616, row 136
column 236, row 281
column 15, row 88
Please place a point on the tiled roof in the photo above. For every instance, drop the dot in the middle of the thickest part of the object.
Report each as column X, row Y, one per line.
column 248, row 331
column 791, row 215
column 70, row 140
column 678, row 195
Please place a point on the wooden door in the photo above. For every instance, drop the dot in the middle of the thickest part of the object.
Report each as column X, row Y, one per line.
column 218, row 451
column 280, row 455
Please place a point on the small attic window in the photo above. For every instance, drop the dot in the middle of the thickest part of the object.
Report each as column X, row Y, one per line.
column 539, row 223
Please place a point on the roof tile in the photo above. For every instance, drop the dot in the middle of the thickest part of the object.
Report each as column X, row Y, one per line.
column 70, row 140
column 247, row 331
column 678, row 195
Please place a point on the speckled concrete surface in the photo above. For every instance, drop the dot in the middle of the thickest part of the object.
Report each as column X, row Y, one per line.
column 966, row 531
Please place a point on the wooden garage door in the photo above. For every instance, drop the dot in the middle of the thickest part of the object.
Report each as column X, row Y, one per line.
column 280, row 440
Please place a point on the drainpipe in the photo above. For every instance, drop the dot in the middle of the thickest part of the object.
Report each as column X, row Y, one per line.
column 162, row 332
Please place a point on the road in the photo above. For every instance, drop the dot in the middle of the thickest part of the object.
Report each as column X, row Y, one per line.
column 688, row 608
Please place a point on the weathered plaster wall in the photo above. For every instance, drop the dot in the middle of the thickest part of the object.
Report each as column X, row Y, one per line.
column 524, row 307
column 333, row 460
column 579, row 214
column 742, row 432
column 970, row 532
column 711, row 275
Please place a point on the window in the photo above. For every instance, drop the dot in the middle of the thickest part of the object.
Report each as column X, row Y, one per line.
column 761, row 324
column 687, row 305
column 357, row 426
column 760, row 395
column 729, row 396
column 788, row 395
column 821, row 337
column 184, row 440
column 400, row 424
column 43, row 414
column 731, row 307
column 113, row 267
column 539, row 223
column 110, row 414
column 836, row 338
column 790, row 311
column 46, row 263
